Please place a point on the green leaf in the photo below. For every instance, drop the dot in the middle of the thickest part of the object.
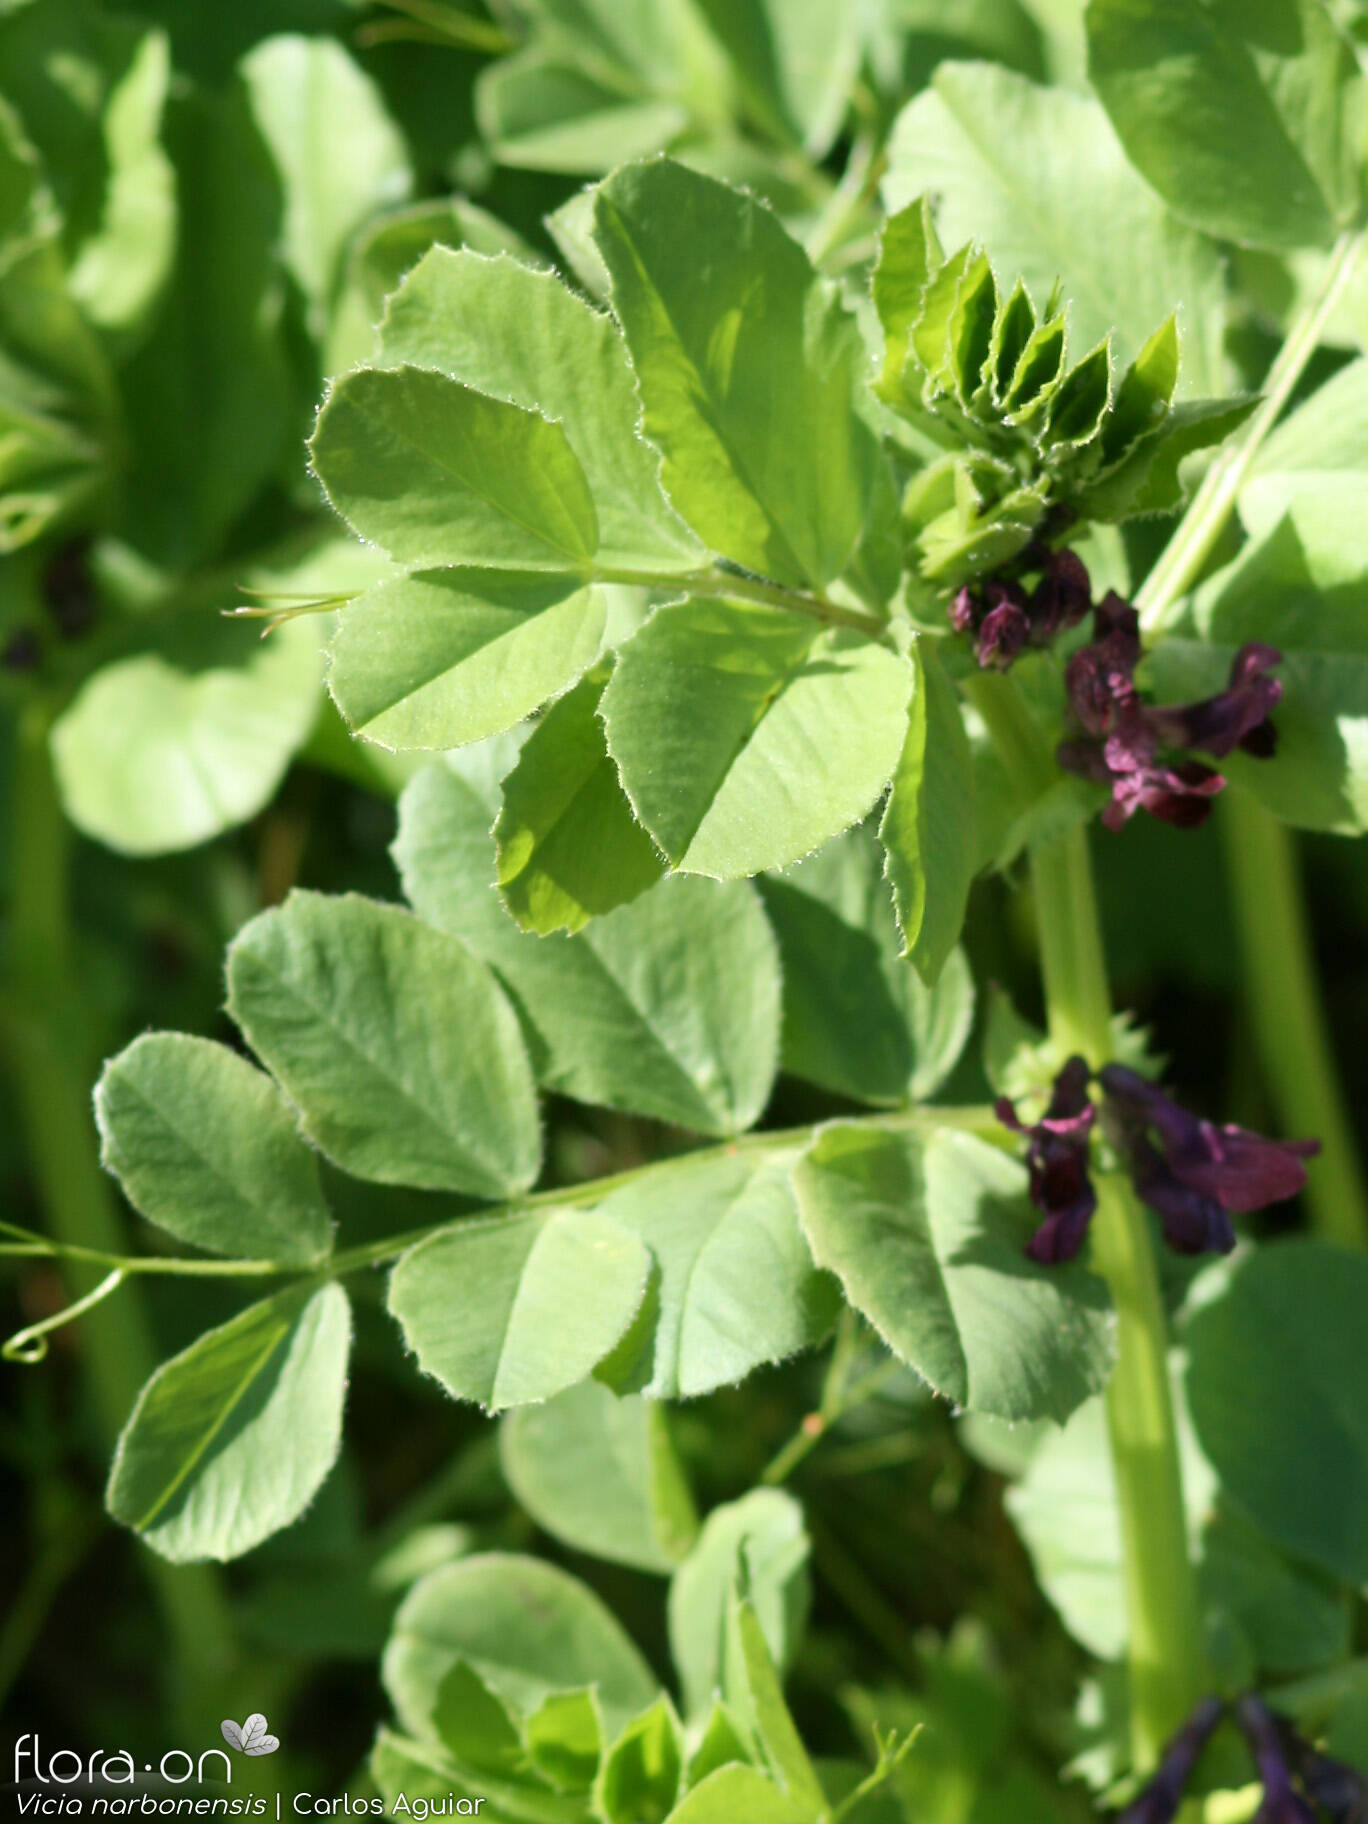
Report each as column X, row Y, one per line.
column 746, row 736
column 719, row 1741
column 207, row 1148
column 527, row 1628
column 756, row 1694
column 600, row 1474
column 669, row 1007
column 928, row 1238
column 91, row 90
column 387, row 250
column 857, row 1020
column 125, row 261
column 568, row 845
column 1066, row 1511
column 1243, row 117
column 230, row 1440
column 909, row 254
column 762, row 1538
column 516, row 1308
column 1037, row 176
column 795, row 61
column 748, row 366
column 928, row 829
column 642, row 1772
column 444, row 657
column 164, row 749
column 737, row 1285
column 1314, row 463
column 739, row 1792
column 475, row 1726
column 339, row 155
column 1280, row 1356
column 540, row 114
column 437, row 473
column 424, row 1770
column 523, row 336
column 565, row 1739
column 1293, row 1619
column 396, row 1044
column 214, row 373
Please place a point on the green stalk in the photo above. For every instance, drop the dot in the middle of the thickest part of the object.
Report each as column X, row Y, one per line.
column 1165, row 1662
column 46, row 1041
column 1284, row 1001
column 1214, row 502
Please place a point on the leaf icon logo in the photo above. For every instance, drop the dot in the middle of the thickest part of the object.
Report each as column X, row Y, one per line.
column 251, row 1737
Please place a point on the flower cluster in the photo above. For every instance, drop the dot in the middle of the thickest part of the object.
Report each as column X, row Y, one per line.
column 1123, row 740
column 1189, row 1171
column 1004, row 619
column 1141, row 752
column 1296, row 1777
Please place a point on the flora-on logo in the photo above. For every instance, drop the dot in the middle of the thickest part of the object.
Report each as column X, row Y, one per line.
column 252, row 1737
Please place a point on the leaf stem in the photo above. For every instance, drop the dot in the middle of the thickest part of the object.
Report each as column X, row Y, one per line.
column 1285, row 1006
column 718, row 581
column 1212, row 505
column 1164, row 1654
column 45, row 1040
column 973, row 1119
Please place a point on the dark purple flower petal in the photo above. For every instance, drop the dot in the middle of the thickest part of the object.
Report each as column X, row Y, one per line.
column 1180, row 795
column 1160, row 1801
column 1192, row 1223
column 1233, row 718
column 1099, row 678
column 1003, row 633
column 1057, row 1159
column 1282, row 1804
column 1237, row 1169
column 1061, row 598
column 964, row 610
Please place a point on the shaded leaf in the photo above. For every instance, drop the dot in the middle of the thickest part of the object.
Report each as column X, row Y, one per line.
column 229, row 1440
column 206, row 1147
column 927, row 1235
column 396, row 1044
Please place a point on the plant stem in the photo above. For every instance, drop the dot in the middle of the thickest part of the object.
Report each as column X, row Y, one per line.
column 971, row 1119
column 46, row 1038
column 1283, row 996
column 1161, row 1598
column 1214, row 502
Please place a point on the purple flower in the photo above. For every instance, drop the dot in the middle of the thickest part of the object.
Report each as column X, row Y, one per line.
column 1003, row 631
column 1282, row 1804
column 1160, row 1800
column 1004, row 619
column 1240, row 1170
column 1235, row 717
column 1122, row 737
column 1057, row 1157
column 1061, row 598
